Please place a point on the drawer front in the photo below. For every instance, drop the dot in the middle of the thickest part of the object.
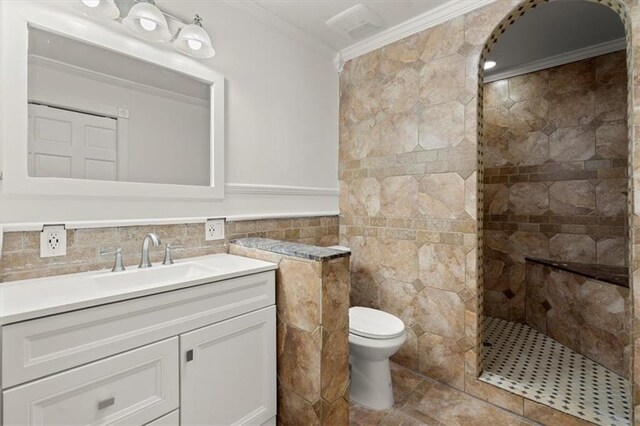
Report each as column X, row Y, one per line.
column 132, row 388
column 171, row 419
column 36, row 348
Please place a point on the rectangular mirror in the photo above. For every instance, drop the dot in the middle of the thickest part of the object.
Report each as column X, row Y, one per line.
column 96, row 114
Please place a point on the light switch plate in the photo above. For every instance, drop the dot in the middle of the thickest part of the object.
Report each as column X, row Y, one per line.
column 214, row 229
column 53, row 241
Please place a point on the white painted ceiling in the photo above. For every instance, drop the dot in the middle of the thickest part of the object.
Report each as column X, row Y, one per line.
column 311, row 15
column 552, row 29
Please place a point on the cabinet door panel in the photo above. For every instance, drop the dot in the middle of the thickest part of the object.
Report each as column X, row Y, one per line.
column 231, row 376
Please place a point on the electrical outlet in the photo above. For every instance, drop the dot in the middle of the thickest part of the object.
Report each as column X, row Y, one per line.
column 214, row 229
column 53, row 241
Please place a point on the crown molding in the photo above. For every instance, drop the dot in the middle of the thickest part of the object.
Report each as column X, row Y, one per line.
column 245, row 188
column 271, row 20
column 428, row 19
column 561, row 59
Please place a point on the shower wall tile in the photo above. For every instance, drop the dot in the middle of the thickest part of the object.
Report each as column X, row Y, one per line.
column 589, row 316
column 555, row 174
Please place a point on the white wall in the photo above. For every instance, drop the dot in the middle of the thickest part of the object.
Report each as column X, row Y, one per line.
column 282, row 130
column 283, row 104
column 168, row 137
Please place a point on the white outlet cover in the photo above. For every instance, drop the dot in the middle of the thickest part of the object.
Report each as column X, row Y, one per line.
column 214, row 229
column 53, row 241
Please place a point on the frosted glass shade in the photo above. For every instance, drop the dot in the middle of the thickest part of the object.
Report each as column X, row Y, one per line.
column 100, row 8
column 147, row 21
column 194, row 41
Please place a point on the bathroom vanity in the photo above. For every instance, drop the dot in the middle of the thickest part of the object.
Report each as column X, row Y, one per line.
column 189, row 343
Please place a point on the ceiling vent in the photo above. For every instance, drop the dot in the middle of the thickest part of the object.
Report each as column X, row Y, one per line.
column 357, row 22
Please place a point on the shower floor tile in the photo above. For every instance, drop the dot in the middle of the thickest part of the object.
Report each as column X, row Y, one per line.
column 528, row 363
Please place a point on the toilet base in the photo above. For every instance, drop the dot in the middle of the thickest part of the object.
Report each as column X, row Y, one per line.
column 371, row 383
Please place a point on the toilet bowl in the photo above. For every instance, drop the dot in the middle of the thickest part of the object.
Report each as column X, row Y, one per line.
column 373, row 337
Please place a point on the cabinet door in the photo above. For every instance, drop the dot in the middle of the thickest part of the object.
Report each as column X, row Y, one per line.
column 228, row 371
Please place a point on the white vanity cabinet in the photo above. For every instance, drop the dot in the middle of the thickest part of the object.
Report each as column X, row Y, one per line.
column 228, row 369
column 200, row 355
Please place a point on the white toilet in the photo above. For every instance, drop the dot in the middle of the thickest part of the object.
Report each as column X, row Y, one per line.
column 373, row 337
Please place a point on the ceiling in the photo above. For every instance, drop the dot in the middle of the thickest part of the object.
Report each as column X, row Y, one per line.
column 311, row 15
column 553, row 29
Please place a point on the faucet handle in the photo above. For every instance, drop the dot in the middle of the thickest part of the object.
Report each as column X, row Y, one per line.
column 168, row 254
column 118, row 265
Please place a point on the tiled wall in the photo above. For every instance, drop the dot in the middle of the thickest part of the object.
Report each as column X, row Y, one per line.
column 589, row 316
column 313, row 338
column 555, row 173
column 21, row 250
column 409, row 152
column 408, row 188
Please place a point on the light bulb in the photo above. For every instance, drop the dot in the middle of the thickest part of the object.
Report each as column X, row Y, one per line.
column 148, row 24
column 489, row 64
column 194, row 44
column 91, row 3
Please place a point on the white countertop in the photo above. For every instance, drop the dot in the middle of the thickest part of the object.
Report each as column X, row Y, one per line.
column 28, row 299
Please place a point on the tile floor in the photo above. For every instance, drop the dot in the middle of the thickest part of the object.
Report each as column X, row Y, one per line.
column 422, row 401
column 524, row 361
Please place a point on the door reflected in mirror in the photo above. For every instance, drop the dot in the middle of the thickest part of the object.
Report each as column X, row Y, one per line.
column 101, row 115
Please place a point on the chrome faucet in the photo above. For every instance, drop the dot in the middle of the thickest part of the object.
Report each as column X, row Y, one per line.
column 118, row 266
column 145, row 262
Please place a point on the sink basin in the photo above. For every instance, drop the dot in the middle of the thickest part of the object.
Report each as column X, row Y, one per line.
column 135, row 277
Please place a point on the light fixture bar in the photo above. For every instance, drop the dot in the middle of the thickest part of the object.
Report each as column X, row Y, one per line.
column 147, row 21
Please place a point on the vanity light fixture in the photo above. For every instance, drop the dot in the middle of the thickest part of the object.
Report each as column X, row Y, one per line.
column 102, row 8
column 489, row 64
column 194, row 40
column 147, row 21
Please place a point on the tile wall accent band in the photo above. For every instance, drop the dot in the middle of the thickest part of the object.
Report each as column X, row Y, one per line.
column 21, row 250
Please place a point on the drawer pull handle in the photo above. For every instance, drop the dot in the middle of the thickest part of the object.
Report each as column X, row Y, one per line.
column 190, row 355
column 106, row 403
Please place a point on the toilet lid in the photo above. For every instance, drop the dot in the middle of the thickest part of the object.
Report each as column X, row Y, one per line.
column 374, row 324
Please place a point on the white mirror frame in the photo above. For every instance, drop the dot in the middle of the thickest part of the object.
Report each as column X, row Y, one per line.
column 58, row 17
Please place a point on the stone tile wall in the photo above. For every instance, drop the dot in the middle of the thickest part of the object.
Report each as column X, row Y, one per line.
column 21, row 250
column 410, row 127
column 408, row 191
column 312, row 300
column 589, row 316
column 555, row 173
